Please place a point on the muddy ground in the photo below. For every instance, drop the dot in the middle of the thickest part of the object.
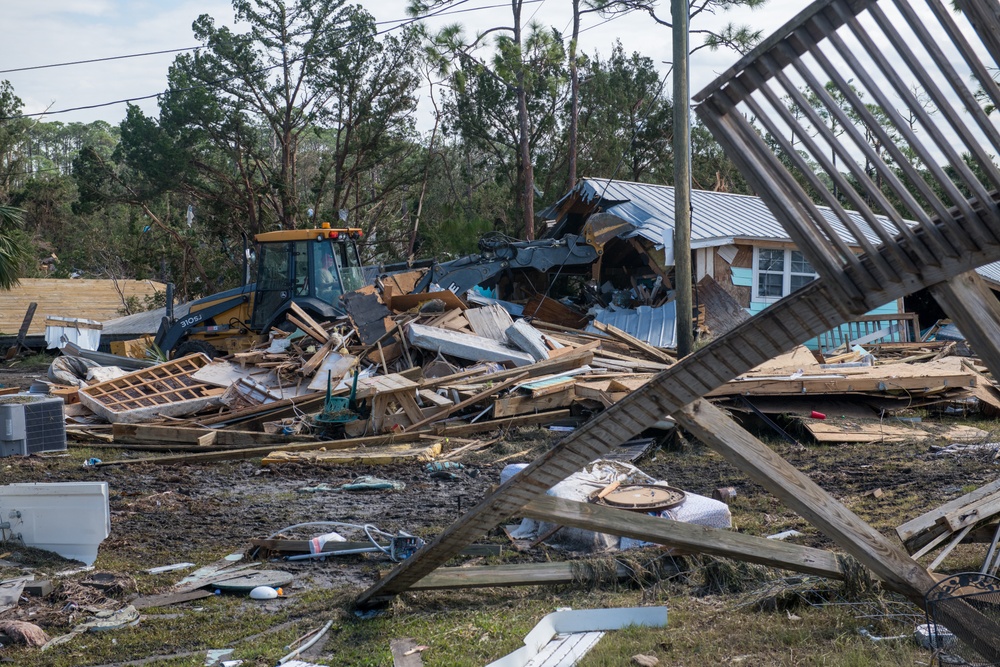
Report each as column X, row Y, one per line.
column 199, row 513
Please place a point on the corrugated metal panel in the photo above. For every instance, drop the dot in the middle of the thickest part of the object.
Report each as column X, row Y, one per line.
column 991, row 272
column 656, row 326
column 715, row 216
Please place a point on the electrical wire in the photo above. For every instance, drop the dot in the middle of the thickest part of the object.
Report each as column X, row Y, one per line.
column 402, row 23
column 97, row 60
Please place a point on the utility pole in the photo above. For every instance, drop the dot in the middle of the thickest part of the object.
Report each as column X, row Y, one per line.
column 683, row 292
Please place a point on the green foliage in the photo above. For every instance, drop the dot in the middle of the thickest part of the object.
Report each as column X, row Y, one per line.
column 13, row 249
column 625, row 118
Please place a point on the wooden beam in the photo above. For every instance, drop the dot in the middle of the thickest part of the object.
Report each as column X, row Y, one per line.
column 519, row 405
column 972, row 306
column 654, row 353
column 798, row 492
column 467, row 402
column 886, row 560
column 259, row 452
column 914, row 527
column 565, row 362
column 459, row 430
column 687, row 536
column 286, row 546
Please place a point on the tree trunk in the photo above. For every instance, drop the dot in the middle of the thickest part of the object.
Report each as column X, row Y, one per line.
column 525, row 172
column 574, row 97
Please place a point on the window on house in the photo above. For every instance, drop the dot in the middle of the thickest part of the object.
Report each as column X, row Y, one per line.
column 779, row 272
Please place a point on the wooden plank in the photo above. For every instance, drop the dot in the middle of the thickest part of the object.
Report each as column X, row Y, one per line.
column 490, row 322
column 549, row 310
column 873, row 381
column 23, row 331
column 687, row 536
column 165, row 599
column 519, row 405
column 285, row 546
column 970, row 302
column 403, row 302
column 257, row 452
column 384, row 455
column 722, row 311
column 971, row 514
column 529, row 339
column 405, row 653
column 566, row 362
column 308, row 330
column 654, row 353
column 530, row 574
column 828, row 431
column 270, row 411
column 503, row 424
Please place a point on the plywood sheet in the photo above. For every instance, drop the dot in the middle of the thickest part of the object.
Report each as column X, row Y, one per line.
column 98, row 300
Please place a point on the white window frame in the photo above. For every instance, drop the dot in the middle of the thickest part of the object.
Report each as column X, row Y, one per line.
column 786, row 277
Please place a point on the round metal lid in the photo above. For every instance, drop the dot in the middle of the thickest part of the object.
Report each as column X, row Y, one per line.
column 643, row 497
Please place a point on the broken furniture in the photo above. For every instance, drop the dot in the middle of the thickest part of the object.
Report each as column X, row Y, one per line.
column 977, row 590
column 388, row 393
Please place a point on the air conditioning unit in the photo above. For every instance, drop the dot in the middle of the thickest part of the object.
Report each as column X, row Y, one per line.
column 31, row 425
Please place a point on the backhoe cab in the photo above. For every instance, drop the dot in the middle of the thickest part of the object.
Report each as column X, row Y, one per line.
column 309, row 267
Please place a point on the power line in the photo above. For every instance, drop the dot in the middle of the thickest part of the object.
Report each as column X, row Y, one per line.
column 97, row 60
column 402, row 23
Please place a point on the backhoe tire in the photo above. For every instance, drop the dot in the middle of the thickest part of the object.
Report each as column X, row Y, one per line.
column 192, row 346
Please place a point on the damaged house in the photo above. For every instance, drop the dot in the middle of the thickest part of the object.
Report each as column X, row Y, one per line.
column 735, row 242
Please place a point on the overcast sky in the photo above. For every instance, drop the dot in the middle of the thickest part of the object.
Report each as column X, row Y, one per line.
column 45, row 32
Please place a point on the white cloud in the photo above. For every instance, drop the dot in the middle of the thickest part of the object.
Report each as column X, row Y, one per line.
column 54, row 31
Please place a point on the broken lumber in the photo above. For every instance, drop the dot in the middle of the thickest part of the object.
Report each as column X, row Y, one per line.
column 385, row 455
column 655, row 353
column 255, row 452
column 467, row 402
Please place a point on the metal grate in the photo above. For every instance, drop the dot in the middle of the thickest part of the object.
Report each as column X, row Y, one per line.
column 980, row 592
column 873, row 107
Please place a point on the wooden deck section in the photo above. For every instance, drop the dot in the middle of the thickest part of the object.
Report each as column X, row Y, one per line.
column 98, row 300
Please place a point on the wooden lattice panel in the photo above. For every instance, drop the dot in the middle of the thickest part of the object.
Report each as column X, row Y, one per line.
column 875, row 110
column 167, row 389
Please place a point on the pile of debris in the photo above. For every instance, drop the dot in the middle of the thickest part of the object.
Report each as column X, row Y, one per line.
column 404, row 368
